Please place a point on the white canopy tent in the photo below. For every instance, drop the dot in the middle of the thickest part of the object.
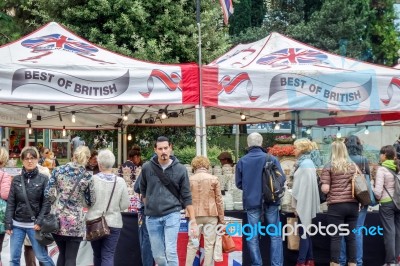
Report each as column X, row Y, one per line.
column 280, row 74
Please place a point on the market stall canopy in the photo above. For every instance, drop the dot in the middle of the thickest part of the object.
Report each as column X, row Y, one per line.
column 279, row 73
column 54, row 67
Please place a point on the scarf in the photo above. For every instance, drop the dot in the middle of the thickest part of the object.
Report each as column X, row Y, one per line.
column 107, row 177
column 390, row 164
column 301, row 159
column 30, row 174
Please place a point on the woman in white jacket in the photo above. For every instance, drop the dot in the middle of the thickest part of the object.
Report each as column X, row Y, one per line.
column 388, row 212
column 305, row 197
column 104, row 249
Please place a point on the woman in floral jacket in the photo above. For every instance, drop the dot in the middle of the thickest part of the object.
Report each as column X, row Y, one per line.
column 67, row 179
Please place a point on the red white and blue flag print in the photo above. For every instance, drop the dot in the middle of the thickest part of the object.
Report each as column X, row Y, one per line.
column 227, row 9
column 59, row 41
column 293, row 56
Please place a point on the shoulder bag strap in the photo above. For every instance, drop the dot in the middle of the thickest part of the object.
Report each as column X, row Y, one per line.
column 70, row 193
column 394, row 176
column 33, row 218
column 166, row 182
column 112, row 193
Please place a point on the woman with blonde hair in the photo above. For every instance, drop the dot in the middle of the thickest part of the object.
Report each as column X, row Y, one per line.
column 342, row 207
column 69, row 190
column 112, row 198
column 388, row 212
column 5, row 183
column 208, row 208
column 305, row 197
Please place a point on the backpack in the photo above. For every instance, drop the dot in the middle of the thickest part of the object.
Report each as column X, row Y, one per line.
column 396, row 194
column 273, row 187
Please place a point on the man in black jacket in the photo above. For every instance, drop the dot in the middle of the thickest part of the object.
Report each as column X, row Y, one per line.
column 26, row 207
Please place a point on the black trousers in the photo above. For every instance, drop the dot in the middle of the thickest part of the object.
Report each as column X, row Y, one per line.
column 340, row 214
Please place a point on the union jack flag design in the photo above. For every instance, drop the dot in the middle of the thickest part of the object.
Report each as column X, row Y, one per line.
column 59, row 41
column 293, row 56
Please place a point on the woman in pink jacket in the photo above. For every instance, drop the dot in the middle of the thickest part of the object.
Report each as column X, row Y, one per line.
column 5, row 182
column 389, row 214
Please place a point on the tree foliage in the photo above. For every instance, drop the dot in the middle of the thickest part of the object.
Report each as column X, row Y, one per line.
column 155, row 30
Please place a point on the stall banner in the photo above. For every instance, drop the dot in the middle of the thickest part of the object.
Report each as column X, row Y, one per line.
column 230, row 259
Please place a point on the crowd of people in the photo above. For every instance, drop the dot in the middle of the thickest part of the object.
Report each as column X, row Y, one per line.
column 165, row 188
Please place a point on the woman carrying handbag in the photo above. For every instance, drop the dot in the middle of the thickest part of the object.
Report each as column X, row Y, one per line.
column 69, row 190
column 26, row 207
column 111, row 199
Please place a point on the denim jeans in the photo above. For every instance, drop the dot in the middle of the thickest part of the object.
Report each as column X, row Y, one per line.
column 359, row 241
column 276, row 249
column 163, row 233
column 305, row 248
column 144, row 241
column 390, row 219
column 16, row 242
column 104, row 249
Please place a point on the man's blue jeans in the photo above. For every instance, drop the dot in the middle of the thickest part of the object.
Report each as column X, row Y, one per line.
column 276, row 249
column 144, row 240
column 16, row 242
column 163, row 233
column 359, row 241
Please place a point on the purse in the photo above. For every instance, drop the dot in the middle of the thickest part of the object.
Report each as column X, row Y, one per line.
column 293, row 239
column 50, row 222
column 98, row 228
column 359, row 187
column 228, row 245
column 374, row 202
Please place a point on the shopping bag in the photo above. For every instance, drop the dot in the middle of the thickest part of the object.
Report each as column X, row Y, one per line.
column 217, row 255
column 360, row 188
column 293, row 240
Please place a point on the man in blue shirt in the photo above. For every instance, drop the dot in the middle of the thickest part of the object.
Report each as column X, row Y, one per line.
column 248, row 177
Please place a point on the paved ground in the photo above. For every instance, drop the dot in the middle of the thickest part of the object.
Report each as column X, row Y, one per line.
column 84, row 254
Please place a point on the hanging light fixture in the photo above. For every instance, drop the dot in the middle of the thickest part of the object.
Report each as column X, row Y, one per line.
column 29, row 115
column 308, row 131
column 30, row 129
column 163, row 115
column 125, row 117
column 338, row 134
column 73, row 118
column 366, row 131
column 129, row 137
column 242, row 117
column 64, row 132
column 382, row 123
column 277, row 125
column 293, row 136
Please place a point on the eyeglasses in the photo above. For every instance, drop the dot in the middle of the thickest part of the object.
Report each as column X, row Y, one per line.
column 30, row 159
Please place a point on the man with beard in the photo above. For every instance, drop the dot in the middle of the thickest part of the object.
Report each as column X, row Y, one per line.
column 165, row 188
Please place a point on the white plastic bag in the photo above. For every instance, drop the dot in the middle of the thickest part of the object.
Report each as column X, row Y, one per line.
column 218, row 257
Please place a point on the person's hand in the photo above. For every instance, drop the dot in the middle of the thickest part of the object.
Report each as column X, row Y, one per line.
column 194, row 230
column 36, row 227
column 9, row 232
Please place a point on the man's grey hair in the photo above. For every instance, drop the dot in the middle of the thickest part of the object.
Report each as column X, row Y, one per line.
column 106, row 159
column 254, row 139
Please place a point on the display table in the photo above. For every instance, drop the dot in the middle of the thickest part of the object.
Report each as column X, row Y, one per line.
column 128, row 252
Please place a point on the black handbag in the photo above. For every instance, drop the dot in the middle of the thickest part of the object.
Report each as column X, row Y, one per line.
column 98, row 228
